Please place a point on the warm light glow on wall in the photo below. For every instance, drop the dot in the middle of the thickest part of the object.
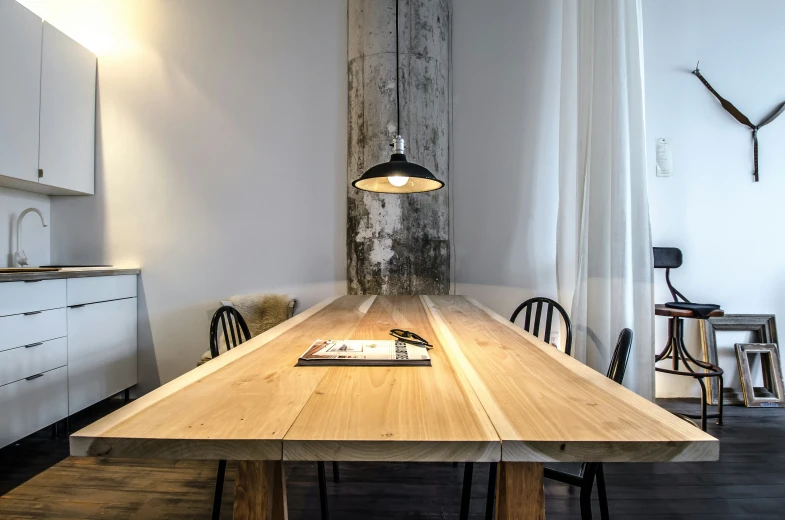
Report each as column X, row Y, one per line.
column 99, row 25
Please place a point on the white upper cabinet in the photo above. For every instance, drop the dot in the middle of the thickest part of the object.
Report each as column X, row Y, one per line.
column 47, row 107
column 67, row 129
column 20, row 79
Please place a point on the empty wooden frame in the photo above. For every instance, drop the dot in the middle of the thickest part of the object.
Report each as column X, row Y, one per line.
column 771, row 393
column 763, row 325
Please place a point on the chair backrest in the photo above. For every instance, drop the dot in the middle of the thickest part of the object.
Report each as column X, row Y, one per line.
column 667, row 257
column 621, row 354
column 536, row 304
column 228, row 320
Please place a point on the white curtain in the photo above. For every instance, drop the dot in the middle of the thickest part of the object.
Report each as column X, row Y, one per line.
column 604, row 257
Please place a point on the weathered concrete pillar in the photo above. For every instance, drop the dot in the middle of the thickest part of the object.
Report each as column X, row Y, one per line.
column 398, row 244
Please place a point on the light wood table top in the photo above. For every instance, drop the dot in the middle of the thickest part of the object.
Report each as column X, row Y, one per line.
column 238, row 406
column 548, row 407
column 494, row 393
column 490, row 383
column 394, row 413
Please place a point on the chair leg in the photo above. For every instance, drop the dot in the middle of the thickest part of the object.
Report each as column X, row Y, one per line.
column 490, row 501
column 322, row 490
column 466, row 493
column 719, row 401
column 588, row 482
column 219, row 489
column 703, row 402
column 604, row 513
column 336, row 473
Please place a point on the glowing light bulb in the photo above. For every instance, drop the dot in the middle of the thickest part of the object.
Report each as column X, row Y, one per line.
column 398, row 180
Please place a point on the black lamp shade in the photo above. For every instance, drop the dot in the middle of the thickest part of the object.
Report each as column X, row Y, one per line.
column 376, row 178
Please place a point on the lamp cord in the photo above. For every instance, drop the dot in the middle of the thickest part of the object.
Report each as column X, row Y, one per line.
column 397, row 78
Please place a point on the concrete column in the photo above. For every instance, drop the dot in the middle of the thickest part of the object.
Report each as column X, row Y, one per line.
column 398, row 244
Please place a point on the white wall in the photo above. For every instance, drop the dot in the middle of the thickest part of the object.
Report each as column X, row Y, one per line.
column 35, row 237
column 729, row 228
column 221, row 158
column 506, row 57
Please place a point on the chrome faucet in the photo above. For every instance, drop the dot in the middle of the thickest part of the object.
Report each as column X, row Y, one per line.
column 20, row 257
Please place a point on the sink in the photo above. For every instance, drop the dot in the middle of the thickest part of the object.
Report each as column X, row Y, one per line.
column 27, row 269
column 71, row 266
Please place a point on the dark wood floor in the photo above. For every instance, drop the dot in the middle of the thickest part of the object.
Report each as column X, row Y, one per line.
column 39, row 480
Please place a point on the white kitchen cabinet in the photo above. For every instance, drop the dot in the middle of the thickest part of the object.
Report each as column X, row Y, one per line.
column 32, row 403
column 20, row 79
column 63, row 347
column 101, row 351
column 67, row 128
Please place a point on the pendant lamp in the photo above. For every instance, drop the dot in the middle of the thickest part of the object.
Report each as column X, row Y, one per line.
column 398, row 175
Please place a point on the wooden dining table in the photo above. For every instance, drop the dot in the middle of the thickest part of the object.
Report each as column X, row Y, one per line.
column 494, row 393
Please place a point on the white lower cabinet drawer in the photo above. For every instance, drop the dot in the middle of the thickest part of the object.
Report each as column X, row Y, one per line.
column 23, row 329
column 100, row 289
column 21, row 362
column 19, row 297
column 28, row 405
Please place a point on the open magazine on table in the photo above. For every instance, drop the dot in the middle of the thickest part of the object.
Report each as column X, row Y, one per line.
column 364, row 352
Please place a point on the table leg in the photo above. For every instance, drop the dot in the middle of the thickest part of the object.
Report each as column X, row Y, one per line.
column 520, row 494
column 260, row 491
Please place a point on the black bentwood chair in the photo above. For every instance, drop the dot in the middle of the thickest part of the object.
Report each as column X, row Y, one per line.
column 235, row 332
column 593, row 470
column 529, row 307
column 230, row 322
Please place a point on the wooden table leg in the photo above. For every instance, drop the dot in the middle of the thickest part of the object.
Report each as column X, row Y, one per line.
column 520, row 494
column 260, row 491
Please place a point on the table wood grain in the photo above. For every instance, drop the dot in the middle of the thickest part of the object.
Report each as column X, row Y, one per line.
column 494, row 393
column 547, row 406
column 423, row 414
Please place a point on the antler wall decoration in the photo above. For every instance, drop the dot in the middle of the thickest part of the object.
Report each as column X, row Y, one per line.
column 741, row 118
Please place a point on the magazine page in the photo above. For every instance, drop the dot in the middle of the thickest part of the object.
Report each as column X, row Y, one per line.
column 385, row 349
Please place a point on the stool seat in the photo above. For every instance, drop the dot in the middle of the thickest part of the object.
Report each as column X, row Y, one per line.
column 661, row 310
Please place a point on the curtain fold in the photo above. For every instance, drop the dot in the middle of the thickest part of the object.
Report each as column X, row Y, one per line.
column 604, row 256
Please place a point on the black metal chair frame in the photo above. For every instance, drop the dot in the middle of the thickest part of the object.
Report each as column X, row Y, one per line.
column 468, row 469
column 234, row 327
column 671, row 258
column 551, row 304
column 591, row 471
column 232, row 323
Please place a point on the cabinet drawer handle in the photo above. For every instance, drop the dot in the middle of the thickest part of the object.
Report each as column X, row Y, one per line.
column 31, row 345
column 31, row 313
column 33, row 281
column 34, row 377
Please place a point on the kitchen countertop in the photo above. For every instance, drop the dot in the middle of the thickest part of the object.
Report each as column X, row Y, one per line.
column 68, row 272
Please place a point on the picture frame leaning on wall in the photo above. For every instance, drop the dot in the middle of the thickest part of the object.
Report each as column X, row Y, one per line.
column 771, row 394
column 762, row 325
